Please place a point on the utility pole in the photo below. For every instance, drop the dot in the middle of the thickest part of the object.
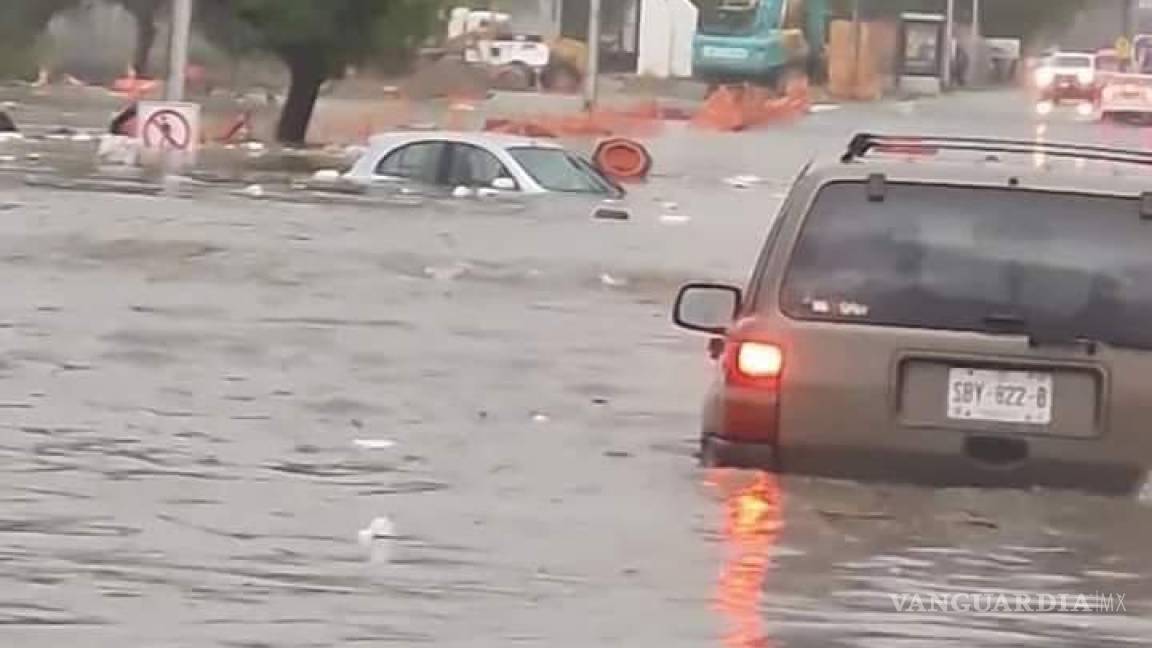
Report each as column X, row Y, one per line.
column 592, row 74
column 949, row 35
column 975, row 47
column 177, row 79
column 178, row 51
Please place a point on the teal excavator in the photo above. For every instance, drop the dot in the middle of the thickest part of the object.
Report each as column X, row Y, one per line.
column 758, row 41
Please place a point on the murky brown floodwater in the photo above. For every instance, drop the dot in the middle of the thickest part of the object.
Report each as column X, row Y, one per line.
column 204, row 403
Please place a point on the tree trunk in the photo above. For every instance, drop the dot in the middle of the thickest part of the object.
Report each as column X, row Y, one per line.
column 308, row 74
column 145, row 41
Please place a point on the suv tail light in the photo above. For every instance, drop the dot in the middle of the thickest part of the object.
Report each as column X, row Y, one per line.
column 750, row 400
column 759, row 360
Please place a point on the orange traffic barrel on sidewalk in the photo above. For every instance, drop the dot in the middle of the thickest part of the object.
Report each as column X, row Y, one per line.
column 623, row 159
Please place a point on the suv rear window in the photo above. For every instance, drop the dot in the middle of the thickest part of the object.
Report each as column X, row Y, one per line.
column 972, row 259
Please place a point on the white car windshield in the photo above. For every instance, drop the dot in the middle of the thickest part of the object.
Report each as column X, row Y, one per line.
column 558, row 170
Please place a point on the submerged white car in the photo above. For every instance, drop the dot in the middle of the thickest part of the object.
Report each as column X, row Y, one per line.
column 445, row 162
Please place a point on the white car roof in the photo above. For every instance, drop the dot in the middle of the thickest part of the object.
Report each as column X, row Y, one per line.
column 482, row 139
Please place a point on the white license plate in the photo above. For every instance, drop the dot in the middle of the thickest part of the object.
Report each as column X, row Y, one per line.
column 729, row 53
column 1000, row 396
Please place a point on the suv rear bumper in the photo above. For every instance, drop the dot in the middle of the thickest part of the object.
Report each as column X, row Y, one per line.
column 923, row 468
column 722, row 453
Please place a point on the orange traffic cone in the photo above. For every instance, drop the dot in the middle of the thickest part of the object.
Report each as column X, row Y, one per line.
column 623, row 159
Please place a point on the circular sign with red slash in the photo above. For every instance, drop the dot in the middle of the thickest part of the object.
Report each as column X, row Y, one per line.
column 167, row 129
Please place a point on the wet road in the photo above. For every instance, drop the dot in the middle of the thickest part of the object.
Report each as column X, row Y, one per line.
column 204, row 403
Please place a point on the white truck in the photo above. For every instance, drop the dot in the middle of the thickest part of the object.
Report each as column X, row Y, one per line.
column 517, row 60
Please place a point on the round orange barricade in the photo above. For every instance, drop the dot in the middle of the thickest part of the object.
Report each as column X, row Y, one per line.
column 623, row 159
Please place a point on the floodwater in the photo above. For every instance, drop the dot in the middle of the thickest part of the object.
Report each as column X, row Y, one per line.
column 240, row 423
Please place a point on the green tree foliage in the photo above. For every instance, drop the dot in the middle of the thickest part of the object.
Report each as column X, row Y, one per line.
column 21, row 24
column 318, row 40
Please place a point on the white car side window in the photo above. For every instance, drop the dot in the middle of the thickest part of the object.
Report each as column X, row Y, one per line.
column 472, row 166
column 419, row 162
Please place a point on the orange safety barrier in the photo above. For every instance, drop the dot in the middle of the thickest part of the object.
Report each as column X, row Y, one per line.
column 640, row 120
column 459, row 113
column 523, row 128
column 240, row 129
column 134, row 87
column 623, row 159
column 736, row 108
column 723, row 110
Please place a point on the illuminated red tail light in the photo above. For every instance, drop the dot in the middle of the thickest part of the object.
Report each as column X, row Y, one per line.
column 754, row 362
column 750, row 405
column 759, row 360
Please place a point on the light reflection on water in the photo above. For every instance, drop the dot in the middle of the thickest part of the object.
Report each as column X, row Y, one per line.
column 752, row 523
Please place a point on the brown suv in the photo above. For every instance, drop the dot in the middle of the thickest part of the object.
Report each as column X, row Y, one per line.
column 927, row 310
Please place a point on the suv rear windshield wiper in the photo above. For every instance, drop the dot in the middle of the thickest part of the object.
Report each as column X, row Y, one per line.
column 1042, row 336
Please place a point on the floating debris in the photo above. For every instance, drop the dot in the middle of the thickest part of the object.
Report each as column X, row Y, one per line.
column 378, row 536
column 854, row 515
column 374, row 444
column 447, row 273
column 743, row 181
column 972, row 519
column 381, row 528
column 326, row 175
column 819, row 108
column 610, row 281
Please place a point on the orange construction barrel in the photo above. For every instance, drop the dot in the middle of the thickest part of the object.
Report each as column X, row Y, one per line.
column 623, row 159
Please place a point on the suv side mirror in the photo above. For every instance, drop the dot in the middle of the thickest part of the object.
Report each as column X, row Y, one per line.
column 504, row 184
column 708, row 308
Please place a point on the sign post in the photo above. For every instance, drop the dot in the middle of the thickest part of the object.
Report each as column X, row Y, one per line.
column 949, row 45
column 592, row 74
column 171, row 130
column 178, row 58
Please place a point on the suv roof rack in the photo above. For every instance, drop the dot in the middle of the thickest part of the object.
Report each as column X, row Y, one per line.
column 864, row 143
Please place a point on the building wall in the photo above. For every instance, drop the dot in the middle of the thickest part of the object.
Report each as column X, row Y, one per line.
column 666, row 31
